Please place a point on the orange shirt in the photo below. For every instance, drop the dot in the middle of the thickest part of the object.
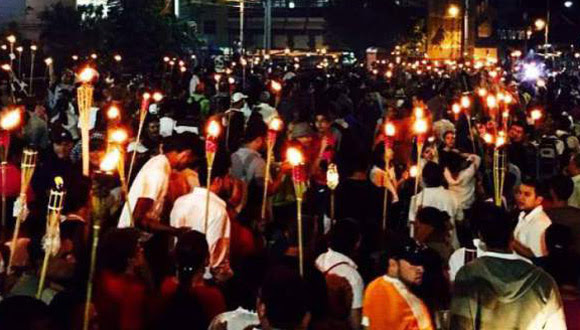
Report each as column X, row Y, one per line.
column 389, row 305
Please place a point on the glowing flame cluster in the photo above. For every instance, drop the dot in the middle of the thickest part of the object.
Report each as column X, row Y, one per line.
column 294, row 156
column 87, row 75
column 390, row 129
column 10, row 119
column 111, row 160
column 213, row 129
column 275, row 124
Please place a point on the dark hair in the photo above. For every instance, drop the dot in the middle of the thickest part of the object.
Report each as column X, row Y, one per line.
column 255, row 129
column 494, row 225
column 344, row 236
column 454, row 162
column 284, row 294
column 119, row 245
column 437, row 219
column 433, row 175
column 562, row 186
column 539, row 187
column 191, row 253
column 180, row 142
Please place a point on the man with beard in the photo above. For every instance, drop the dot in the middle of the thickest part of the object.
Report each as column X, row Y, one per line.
column 388, row 302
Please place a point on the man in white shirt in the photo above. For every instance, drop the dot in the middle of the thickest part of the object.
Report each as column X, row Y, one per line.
column 345, row 239
column 530, row 231
column 574, row 172
column 460, row 174
column 148, row 192
column 189, row 212
column 434, row 195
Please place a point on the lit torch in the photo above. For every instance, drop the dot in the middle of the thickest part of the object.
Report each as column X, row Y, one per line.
column 273, row 128
column 276, row 89
column 390, row 131
column 332, row 180
column 296, row 159
column 85, row 102
column 211, row 145
column 499, row 167
column 8, row 122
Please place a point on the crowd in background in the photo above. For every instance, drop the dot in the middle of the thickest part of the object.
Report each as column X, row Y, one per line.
column 448, row 256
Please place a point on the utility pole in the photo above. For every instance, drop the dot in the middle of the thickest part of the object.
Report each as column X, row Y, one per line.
column 267, row 25
column 242, row 26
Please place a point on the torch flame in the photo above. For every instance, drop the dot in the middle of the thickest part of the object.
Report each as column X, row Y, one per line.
column 6, row 67
column 213, row 129
column 500, row 141
column 87, row 74
column 456, row 108
column 332, row 177
column 419, row 112
column 390, row 129
column 118, row 135
column 276, row 86
column 110, row 161
column 294, row 156
column 146, row 96
column 113, row 112
column 276, row 124
column 465, row 102
column 536, row 114
column 420, row 126
column 482, row 92
column 11, row 39
column 157, row 96
column 413, row 171
column 10, row 119
column 491, row 101
column 488, row 138
column 58, row 182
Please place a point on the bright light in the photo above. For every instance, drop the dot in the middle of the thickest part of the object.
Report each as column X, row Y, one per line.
column 118, row 135
column 166, row 59
column 11, row 39
column 231, row 80
column 75, row 57
column 540, row 24
column 182, row 69
column 6, row 67
column 118, row 58
column 500, row 141
column 482, row 92
column 536, row 114
column 389, row 74
column 516, row 53
column 157, row 96
column 453, row 11
column 465, row 101
column 491, row 102
column 213, row 129
column 276, row 86
column 113, row 112
column 390, row 129
column 94, row 56
column 294, row 156
column 275, row 124
column 87, row 74
column 33, row 48
column 291, row 5
column 488, row 138
column 217, row 77
column 111, row 160
column 332, row 177
column 413, row 171
column 19, row 49
column 541, row 83
column 48, row 61
column 10, row 119
column 532, row 71
column 456, row 108
column 568, row 4
column 508, row 99
column 419, row 112
column 420, row 126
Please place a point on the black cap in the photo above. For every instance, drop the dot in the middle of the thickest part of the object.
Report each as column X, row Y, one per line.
column 58, row 135
column 409, row 251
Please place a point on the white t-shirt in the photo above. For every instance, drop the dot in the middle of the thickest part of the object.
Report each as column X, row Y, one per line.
column 347, row 270
column 152, row 182
column 240, row 319
column 531, row 231
column 189, row 211
column 463, row 187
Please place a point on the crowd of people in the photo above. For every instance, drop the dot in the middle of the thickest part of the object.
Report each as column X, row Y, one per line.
column 470, row 220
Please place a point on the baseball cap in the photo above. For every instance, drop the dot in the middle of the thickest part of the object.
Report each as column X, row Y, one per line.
column 407, row 250
column 238, row 97
column 59, row 134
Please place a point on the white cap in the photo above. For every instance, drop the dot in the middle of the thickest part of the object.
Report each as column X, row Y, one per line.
column 238, row 97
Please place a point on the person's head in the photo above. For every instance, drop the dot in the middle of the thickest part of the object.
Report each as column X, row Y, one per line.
column 574, row 165
column 494, row 226
column 255, row 136
column 433, row 175
column 238, row 100
column 454, row 162
column 529, row 195
column 121, row 252
column 303, row 133
column 405, row 262
column 283, row 300
column 62, row 142
column 179, row 151
column 323, row 122
column 561, row 188
column 191, row 254
column 345, row 237
column 97, row 149
column 517, row 132
column 153, row 128
column 449, row 139
column 428, row 221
